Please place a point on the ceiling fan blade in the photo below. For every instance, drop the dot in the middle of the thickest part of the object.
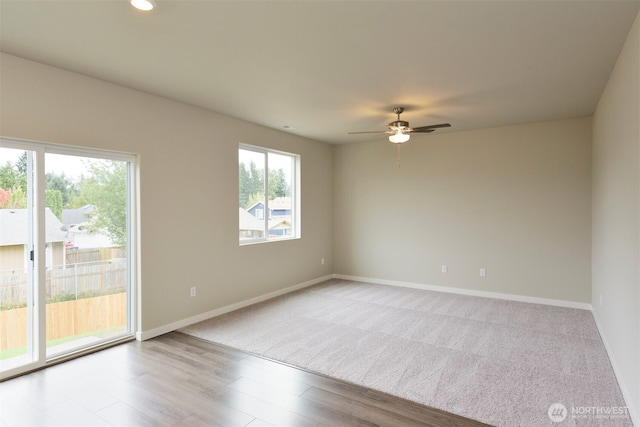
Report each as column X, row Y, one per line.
column 369, row 131
column 430, row 128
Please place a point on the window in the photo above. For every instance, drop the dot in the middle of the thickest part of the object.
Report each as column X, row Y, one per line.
column 268, row 199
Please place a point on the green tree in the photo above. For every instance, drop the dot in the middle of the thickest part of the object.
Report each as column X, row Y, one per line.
column 256, row 179
column 9, row 176
column 105, row 187
column 253, row 199
column 278, row 186
column 21, row 166
column 13, row 182
column 243, row 180
column 251, row 182
column 14, row 198
column 53, row 200
column 63, row 184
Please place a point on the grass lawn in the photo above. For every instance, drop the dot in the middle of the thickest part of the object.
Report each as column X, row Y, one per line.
column 103, row 333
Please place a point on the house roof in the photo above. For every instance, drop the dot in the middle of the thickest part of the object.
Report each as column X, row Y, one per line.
column 279, row 225
column 474, row 64
column 14, row 225
column 254, row 205
column 277, row 203
column 76, row 216
column 280, row 203
column 250, row 222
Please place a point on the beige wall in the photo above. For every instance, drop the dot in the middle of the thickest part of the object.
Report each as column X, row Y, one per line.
column 188, row 186
column 513, row 200
column 616, row 217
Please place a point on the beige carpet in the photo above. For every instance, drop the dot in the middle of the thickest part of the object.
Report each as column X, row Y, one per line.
column 500, row 362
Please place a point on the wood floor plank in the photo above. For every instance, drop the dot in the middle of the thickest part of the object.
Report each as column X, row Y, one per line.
column 123, row 414
column 182, row 381
column 192, row 394
column 295, row 403
column 383, row 417
column 262, row 409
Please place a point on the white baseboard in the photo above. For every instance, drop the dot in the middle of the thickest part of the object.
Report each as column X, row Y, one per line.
column 632, row 404
column 461, row 291
column 145, row 335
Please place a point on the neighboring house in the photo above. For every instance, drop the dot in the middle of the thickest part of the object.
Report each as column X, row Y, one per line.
column 257, row 210
column 76, row 216
column 280, row 206
column 279, row 213
column 79, row 237
column 279, row 227
column 252, row 227
column 14, row 251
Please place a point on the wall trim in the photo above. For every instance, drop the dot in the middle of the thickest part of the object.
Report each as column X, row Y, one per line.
column 634, row 411
column 462, row 291
column 152, row 333
column 161, row 330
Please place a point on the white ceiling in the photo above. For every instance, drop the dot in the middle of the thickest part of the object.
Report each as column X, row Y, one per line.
column 329, row 67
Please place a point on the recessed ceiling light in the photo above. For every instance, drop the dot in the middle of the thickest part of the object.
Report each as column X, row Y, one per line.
column 143, row 4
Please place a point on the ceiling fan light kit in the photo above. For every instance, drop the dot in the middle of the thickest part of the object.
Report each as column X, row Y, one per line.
column 399, row 137
column 399, row 130
column 144, row 5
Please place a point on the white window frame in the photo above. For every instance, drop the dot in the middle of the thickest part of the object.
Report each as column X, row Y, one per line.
column 295, row 196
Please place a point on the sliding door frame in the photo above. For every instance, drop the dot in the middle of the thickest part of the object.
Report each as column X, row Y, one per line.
column 36, row 295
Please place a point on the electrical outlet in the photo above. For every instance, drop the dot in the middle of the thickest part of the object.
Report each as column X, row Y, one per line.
column 483, row 272
column 321, row 261
column 600, row 299
column 193, row 291
column 444, row 269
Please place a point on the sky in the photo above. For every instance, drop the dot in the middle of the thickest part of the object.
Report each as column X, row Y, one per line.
column 73, row 166
column 70, row 166
column 276, row 161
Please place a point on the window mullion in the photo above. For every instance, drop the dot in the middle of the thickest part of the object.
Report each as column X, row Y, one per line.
column 266, row 196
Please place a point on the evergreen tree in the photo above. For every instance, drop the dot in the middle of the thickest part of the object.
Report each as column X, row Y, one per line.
column 278, row 186
column 53, row 200
column 63, row 184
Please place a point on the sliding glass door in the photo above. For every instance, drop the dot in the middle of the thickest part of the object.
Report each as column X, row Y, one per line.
column 17, row 277
column 66, row 244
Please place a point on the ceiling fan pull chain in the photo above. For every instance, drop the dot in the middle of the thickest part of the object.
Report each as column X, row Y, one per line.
column 398, row 156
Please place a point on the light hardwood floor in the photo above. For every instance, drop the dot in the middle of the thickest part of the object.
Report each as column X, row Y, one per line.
column 179, row 380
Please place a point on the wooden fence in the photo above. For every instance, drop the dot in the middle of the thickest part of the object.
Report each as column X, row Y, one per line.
column 76, row 256
column 66, row 319
column 67, row 282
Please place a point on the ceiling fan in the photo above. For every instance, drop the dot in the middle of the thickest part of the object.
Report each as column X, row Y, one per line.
column 399, row 130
